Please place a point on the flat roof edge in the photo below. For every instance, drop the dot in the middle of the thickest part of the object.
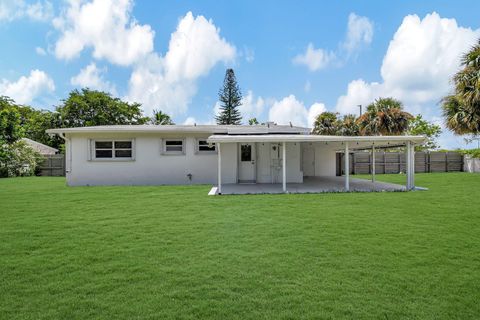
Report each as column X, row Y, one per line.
column 311, row 138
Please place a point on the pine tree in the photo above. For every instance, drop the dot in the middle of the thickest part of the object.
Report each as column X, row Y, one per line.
column 230, row 99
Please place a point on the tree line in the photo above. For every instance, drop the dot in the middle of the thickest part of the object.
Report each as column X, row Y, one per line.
column 82, row 108
column 384, row 116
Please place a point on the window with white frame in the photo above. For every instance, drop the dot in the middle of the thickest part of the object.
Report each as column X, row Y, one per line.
column 204, row 147
column 173, row 146
column 113, row 149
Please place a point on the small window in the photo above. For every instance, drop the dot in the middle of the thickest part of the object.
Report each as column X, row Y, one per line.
column 174, row 146
column 205, row 147
column 246, row 152
column 122, row 149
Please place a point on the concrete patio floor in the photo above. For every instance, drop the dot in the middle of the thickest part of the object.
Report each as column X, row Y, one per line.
column 309, row 185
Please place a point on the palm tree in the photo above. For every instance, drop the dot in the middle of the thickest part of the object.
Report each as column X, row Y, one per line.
column 385, row 116
column 160, row 118
column 462, row 109
column 349, row 126
column 326, row 124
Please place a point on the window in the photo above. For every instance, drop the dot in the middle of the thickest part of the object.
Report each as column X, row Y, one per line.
column 204, row 147
column 173, row 146
column 112, row 149
column 246, row 152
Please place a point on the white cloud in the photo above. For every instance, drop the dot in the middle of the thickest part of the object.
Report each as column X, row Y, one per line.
column 313, row 112
column 194, row 48
column 359, row 32
column 359, row 92
column 17, row 9
column 307, row 86
column 251, row 107
column 27, row 88
column 314, row 59
column 39, row 11
column 169, row 83
column 107, row 27
column 92, row 77
column 216, row 109
column 289, row 109
column 40, row 51
column 190, row 121
column 419, row 63
column 417, row 68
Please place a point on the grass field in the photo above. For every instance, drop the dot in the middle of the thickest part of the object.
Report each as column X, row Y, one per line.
column 173, row 252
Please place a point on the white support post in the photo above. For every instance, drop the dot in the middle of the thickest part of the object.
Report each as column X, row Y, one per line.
column 284, row 167
column 412, row 166
column 373, row 163
column 219, row 169
column 408, row 168
column 347, row 168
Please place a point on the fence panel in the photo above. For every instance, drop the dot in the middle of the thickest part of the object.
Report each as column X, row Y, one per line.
column 395, row 162
column 52, row 165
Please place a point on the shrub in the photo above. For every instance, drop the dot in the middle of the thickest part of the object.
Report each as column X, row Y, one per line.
column 17, row 159
column 474, row 153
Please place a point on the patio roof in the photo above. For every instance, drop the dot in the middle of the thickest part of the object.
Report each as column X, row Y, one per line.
column 360, row 141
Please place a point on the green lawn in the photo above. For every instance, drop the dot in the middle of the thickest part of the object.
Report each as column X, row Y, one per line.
column 174, row 252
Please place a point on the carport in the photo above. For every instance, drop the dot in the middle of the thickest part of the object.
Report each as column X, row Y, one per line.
column 319, row 183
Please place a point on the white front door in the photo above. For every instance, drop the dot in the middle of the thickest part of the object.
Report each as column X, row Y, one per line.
column 246, row 163
column 308, row 162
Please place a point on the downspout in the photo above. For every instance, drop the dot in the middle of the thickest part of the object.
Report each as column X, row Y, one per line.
column 68, row 152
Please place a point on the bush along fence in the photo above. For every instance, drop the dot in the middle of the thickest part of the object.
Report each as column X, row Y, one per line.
column 52, row 165
column 395, row 162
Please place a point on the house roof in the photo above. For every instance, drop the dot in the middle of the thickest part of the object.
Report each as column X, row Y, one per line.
column 211, row 129
column 39, row 147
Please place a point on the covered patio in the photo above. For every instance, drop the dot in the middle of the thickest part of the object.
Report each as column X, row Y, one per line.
column 320, row 183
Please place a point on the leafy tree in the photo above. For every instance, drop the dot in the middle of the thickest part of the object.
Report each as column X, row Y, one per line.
column 461, row 110
column 327, row 123
column 17, row 159
column 24, row 121
column 253, row 121
column 10, row 124
column 385, row 116
column 36, row 122
column 160, row 118
column 6, row 102
column 420, row 126
column 230, row 99
column 95, row 108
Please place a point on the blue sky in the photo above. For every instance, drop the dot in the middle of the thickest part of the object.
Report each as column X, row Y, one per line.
column 292, row 59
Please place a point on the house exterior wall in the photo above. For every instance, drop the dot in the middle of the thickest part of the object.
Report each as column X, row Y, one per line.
column 269, row 165
column 294, row 172
column 229, row 163
column 150, row 166
column 324, row 158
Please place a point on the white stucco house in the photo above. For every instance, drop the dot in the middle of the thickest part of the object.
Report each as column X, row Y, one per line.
column 276, row 157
